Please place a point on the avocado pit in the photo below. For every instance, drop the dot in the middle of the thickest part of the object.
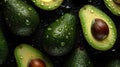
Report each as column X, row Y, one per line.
column 117, row 2
column 36, row 63
column 99, row 29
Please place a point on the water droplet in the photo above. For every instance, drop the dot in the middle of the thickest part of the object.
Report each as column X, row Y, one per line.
column 60, row 29
column 71, row 28
column 67, row 37
column 113, row 50
column 91, row 11
column 67, row 7
column 29, row 8
column 49, row 7
column 118, row 12
column 47, row 36
column 69, row 33
column 21, row 57
column 27, row 22
column 55, row 5
column 6, row 18
column 111, row 27
column 42, row 3
column 49, row 28
column 62, row 43
column 5, row 0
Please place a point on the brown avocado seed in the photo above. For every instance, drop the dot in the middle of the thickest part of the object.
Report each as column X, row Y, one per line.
column 36, row 63
column 117, row 2
column 99, row 29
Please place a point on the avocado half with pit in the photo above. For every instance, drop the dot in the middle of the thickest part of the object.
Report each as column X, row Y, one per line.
column 98, row 28
column 48, row 4
column 27, row 56
column 113, row 6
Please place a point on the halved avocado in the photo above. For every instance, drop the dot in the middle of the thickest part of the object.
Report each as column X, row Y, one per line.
column 98, row 28
column 48, row 4
column 27, row 56
column 113, row 6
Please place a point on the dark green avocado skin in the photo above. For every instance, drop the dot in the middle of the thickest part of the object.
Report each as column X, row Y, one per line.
column 59, row 36
column 79, row 58
column 113, row 63
column 3, row 48
column 21, row 18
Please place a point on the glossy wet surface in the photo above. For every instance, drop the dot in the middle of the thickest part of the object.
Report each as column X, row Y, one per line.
column 98, row 58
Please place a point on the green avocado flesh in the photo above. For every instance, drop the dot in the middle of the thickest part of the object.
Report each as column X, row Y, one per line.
column 21, row 18
column 113, row 63
column 87, row 14
column 48, row 4
column 59, row 36
column 3, row 48
column 24, row 53
column 79, row 58
column 113, row 7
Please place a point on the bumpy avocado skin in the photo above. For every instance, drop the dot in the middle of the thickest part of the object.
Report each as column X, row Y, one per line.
column 87, row 14
column 79, row 58
column 24, row 53
column 59, row 36
column 52, row 5
column 3, row 48
column 113, row 63
column 113, row 7
column 21, row 18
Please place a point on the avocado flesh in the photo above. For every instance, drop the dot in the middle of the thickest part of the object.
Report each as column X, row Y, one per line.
column 48, row 4
column 87, row 14
column 24, row 53
column 113, row 7
column 79, row 58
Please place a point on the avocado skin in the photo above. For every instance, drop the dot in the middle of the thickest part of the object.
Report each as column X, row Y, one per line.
column 113, row 63
column 79, row 58
column 59, row 36
column 3, row 48
column 24, row 53
column 21, row 18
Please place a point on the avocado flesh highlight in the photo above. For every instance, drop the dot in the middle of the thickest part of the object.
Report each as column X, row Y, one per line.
column 48, row 4
column 87, row 14
column 113, row 7
column 24, row 53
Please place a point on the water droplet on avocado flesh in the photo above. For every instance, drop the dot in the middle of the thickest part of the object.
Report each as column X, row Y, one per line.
column 48, row 4
column 99, row 29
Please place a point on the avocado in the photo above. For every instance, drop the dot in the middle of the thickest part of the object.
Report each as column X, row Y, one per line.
column 113, row 6
column 48, row 4
column 3, row 48
column 21, row 18
column 113, row 63
column 28, row 56
column 79, row 58
column 98, row 28
column 59, row 36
